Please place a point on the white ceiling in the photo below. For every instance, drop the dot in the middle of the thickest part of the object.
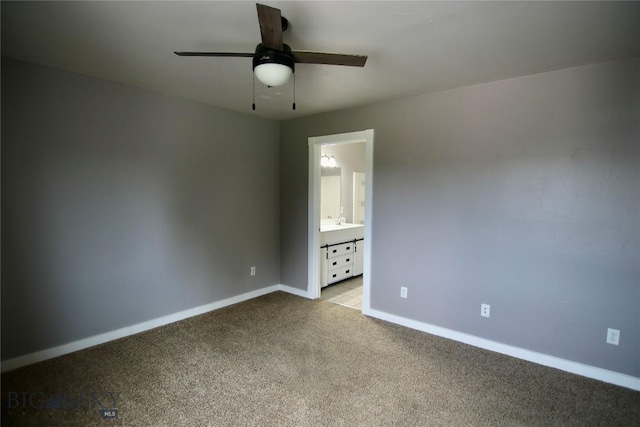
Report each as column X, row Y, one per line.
column 413, row 47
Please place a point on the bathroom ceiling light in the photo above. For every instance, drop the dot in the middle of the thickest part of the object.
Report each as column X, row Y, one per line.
column 328, row 161
column 324, row 160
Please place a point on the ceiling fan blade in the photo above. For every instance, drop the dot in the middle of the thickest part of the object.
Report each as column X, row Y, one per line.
column 329, row 58
column 236, row 54
column 270, row 26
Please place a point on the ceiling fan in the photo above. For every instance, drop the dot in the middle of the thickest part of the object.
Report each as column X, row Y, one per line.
column 273, row 60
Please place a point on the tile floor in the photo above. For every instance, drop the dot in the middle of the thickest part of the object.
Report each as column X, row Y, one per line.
column 347, row 293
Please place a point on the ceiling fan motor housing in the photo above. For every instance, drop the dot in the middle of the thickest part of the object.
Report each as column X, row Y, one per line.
column 265, row 55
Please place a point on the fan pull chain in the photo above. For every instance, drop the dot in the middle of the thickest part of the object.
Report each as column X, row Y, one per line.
column 253, row 106
column 294, row 91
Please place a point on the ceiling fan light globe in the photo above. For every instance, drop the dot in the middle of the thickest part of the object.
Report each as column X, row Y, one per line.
column 273, row 74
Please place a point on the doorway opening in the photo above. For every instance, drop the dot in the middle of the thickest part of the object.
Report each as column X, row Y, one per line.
column 361, row 211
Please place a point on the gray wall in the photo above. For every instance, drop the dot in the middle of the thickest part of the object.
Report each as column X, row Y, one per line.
column 521, row 193
column 120, row 205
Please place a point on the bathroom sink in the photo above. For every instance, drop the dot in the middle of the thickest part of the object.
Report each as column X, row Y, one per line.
column 332, row 234
column 334, row 227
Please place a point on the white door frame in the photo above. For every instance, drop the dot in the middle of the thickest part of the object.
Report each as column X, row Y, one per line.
column 315, row 144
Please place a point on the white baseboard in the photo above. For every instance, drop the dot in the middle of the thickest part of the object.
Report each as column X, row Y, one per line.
column 594, row 372
column 50, row 353
column 294, row 291
column 520, row 353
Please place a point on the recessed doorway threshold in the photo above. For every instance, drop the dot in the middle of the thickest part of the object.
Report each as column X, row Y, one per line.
column 347, row 293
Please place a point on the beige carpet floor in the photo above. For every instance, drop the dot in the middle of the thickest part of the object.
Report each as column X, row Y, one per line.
column 281, row 360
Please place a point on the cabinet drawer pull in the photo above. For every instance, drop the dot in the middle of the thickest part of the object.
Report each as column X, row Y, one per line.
column 335, row 250
column 348, row 248
column 348, row 260
column 335, row 274
column 347, row 271
column 335, row 262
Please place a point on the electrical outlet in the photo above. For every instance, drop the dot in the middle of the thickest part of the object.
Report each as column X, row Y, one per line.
column 613, row 336
column 253, row 271
column 485, row 310
column 403, row 292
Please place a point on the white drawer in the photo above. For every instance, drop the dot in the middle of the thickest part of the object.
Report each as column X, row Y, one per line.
column 339, row 261
column 338, row 274
column 339, row 250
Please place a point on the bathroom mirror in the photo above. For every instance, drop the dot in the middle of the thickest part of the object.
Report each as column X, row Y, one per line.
column 330, row 188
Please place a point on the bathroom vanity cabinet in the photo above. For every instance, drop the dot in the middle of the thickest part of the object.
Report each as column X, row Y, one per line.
column 337, row 263
column 358, row 257
column 341, row 252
